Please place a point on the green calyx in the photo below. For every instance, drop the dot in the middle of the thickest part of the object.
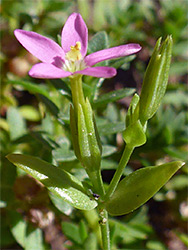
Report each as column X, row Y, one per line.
column 134, row 134
column 86, row 141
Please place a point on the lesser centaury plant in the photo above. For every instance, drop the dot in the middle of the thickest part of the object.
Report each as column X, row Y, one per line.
column 70, row 60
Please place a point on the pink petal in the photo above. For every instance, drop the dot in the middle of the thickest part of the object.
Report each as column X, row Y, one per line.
column 42, row 47
column 46, row 70
column 115, row 52
column 104, row 72
column 74, row 30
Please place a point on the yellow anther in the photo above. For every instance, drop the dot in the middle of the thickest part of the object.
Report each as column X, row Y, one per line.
column 74, row 53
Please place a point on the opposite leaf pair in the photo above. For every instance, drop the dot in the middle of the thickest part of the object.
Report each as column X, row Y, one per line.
column 131, row 193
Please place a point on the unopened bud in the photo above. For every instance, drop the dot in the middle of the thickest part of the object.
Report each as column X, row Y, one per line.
column 155, row 80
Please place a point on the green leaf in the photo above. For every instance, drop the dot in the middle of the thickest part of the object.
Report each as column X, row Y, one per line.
column 83, row 230
column 52, row 107
column 177, row 98
column 138, row 187
column 61, row 205
column 34, row 238
column 91, row 242
column 98, row 42
column 155, row 244
column 108, row 164
column 18, row 227
column 111, row 128
column 16, row 123
column 122, row 62
column 63, row 153
column 43, row 138
column 58, row 181
column 176, row 153
column 112, row 97
column 30, row 113
column 178, row 68
column 62, row 87
column 31, row 87
column 108, row 150
column 128, row 229
column 47, row 124
column 72, row 232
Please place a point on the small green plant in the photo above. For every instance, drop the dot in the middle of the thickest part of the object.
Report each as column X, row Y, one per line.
column 70, row 60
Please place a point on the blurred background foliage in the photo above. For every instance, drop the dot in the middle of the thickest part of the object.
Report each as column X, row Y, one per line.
column 35, row 121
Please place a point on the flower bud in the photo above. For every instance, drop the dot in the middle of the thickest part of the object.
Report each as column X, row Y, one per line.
column 85, row 137
column 155, row 80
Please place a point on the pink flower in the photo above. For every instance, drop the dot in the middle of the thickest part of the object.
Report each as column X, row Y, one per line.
column 70, row 59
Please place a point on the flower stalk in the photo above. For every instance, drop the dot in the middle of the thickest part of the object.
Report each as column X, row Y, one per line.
column 117, row 176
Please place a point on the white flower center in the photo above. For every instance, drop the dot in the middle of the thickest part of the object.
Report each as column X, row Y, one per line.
column 73, row 59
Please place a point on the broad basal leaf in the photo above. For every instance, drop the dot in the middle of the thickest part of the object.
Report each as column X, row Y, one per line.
column 59, row 182
column 138, row 187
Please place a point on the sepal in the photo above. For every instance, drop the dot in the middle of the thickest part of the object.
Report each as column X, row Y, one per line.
column 134, row 134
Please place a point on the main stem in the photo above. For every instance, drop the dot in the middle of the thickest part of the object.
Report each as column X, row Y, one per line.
column 105, row 231
column 117, row 176
column 77, row 92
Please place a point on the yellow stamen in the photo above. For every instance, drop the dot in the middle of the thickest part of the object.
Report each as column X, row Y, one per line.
column 74, row 53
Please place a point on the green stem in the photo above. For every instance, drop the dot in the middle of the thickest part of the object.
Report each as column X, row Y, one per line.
column 105, row 231
column 77, row 92
column 117, row 176
column 96, row 179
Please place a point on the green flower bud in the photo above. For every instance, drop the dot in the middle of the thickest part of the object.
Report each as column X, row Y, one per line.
column 155, row 80
column 85, row 138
